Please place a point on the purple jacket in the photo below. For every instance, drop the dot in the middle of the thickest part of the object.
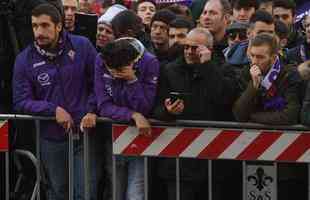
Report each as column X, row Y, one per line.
column 118, row 99
column 40, row 85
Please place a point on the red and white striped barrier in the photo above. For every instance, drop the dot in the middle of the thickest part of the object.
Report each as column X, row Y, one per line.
column 4, row 135
column 213, row 143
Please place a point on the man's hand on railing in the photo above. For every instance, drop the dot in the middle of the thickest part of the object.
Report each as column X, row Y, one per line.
column 64, row 119
column 142, row 124
column 88, row 121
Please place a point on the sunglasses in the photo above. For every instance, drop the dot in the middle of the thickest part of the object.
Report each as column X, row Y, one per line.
column 233, row 35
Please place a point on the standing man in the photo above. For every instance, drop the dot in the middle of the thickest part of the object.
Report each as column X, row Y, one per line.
column 301, row 53
column 54, row 77
column 284, row 10
column 70, row 8
column 243, row 10
column 160, row 33
column 216, row 17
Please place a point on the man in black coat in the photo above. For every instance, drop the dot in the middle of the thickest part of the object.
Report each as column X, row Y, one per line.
column 204, row 88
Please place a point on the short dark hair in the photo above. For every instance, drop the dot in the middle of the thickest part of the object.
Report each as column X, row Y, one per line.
column 261, row 16
column 265, row 39
column 136, row 4
column 181, row 22
column 282, row 31
column 287, row 4
column 238, row 4
column 125, row 21
column 49, row 10
column 113, row 51
column 164, row 15
column 226, row 7
column 177, row 9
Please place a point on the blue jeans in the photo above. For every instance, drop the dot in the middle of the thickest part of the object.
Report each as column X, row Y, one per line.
column 129, row 178
column 54, row 157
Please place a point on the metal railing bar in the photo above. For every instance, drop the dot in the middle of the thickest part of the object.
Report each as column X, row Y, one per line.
column 178, row 181
column 181, row 123
column 146, row 179
column 86, row 164
column 7, row 176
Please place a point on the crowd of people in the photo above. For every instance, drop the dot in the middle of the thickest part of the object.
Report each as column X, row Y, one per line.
column 215, row 60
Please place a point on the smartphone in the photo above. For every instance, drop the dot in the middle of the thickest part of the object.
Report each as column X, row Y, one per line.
column 178, row 95
column 86, row 25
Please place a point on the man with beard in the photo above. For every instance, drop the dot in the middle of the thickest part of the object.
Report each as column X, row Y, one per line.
column 284, row 10
column 177, row 34
column 301, row 53
column 271, row 96
column 54, row 77
column 160, row 34
column 203, row 90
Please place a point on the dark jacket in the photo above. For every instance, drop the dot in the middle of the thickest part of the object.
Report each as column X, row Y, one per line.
column 209, row 91
column 207, row 88
column 299, row 54
column 250, row 106
column 305, row 111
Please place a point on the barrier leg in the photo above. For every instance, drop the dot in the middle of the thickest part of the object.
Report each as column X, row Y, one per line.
column 71, row 166
column 37, row 124
column 276, row 181
column 36, row 163
column 146, row 179
column 244, row 180
column 308, row 181
column 7, row 176
column 177, row 172
column 210, row 180
column 114, row 176
column 86, row 166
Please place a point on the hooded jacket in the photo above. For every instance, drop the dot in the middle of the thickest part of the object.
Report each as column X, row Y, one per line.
column 119, row 99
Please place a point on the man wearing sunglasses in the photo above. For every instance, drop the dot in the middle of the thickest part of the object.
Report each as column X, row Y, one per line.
column 203, row 90
column 236, row 53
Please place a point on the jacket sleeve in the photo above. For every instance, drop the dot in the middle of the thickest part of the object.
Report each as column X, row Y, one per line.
column 23, row 93
column 90, row 73
column 141, row 93
column 160, row 112
column 246, row 103
column 289, row 115
column 105, row 104
column 305, row 111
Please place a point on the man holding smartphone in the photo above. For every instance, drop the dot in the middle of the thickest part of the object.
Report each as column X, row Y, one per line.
column 201, row 89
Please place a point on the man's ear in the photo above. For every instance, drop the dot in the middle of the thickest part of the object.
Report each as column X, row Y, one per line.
column 59, row 27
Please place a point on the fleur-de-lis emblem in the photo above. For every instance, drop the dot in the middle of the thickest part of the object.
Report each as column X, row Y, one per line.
column 260, row 179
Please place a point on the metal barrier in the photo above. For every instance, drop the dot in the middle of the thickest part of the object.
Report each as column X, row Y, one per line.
column 239, row 141
column 219, row 140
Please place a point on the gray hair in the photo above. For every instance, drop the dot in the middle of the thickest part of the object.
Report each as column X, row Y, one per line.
column 205, row 32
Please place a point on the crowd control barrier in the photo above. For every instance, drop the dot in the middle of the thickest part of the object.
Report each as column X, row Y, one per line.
column 219, row 140
column 192, row 139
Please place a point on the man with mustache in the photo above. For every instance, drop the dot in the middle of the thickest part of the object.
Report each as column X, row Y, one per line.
column 54, row 77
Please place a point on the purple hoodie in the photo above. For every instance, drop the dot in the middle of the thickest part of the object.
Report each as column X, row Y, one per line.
column 118, row 99
column 40, row 85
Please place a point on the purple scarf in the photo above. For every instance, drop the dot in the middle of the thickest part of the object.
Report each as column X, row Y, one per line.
column 51, row 55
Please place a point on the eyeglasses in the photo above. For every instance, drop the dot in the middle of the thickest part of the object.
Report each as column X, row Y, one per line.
column 192, row 47
column 242, row 35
